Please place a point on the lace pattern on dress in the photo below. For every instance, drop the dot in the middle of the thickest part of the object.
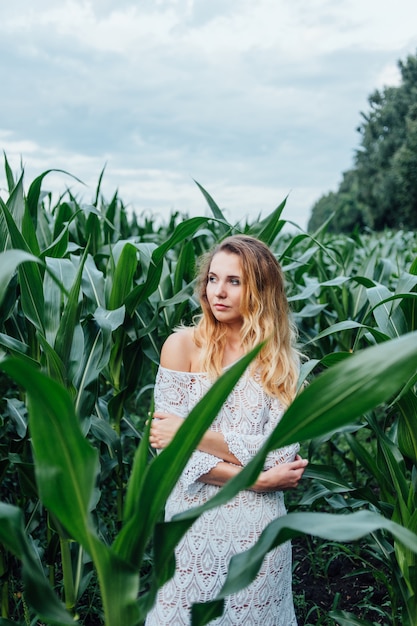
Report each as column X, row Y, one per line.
column 199, row 464
column 237, row 447
column 202, row 557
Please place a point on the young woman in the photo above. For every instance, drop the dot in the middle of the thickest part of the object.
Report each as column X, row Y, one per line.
column 241, row 290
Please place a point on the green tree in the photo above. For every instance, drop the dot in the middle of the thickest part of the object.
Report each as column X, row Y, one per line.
column 381, row 189
column 382, row 162
column 404, row 167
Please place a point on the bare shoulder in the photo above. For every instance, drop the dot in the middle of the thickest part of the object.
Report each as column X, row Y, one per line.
column 179, row 351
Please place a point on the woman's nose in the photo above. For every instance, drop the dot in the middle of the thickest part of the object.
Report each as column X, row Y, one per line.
column 219, row 289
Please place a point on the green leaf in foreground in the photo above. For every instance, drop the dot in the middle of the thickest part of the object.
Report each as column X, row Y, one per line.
column 66, row 471
column 66, row 467
column 244, row 566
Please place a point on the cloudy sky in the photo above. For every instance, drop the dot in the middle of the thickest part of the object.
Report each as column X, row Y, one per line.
column 254, row 99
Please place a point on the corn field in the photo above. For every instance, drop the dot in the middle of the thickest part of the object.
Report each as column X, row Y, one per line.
column 88, row 294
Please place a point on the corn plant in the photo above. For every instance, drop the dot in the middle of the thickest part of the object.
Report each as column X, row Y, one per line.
column 376, row 303
column 87, row 298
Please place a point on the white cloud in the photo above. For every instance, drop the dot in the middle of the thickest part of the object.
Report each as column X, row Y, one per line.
column 159, row 191
column 297, row 28
column 253, row 99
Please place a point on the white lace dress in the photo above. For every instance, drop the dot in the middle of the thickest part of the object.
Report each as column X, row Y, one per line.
column 202, row 556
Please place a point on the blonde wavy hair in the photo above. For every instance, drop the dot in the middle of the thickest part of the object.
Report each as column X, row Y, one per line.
column 266, row 317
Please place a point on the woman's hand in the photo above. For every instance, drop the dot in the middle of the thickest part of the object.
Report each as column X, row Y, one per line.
column 277, row 478
column 165, row 425
column 163, row 428
column 282, row 476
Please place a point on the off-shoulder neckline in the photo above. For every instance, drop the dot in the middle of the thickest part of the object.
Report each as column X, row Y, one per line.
column 167, row 369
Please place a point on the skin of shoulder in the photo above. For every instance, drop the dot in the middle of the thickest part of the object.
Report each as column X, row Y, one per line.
column 179, row 352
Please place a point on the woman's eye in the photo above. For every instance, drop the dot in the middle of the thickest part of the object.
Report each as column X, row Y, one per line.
column 235, row 281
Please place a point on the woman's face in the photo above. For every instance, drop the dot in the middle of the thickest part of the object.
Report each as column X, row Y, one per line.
column 225, row 287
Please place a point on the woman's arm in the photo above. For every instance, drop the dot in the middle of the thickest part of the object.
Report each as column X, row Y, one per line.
column 180, row 353
column 165, row 425
column 277, row 478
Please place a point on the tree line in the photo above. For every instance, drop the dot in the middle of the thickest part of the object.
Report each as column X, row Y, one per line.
column 380, row 191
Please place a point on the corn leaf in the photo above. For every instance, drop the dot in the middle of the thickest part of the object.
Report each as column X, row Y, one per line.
column 9, row 174
column 244, row 566
column 267, row 229
column 66, row 468
column 37, row 589
column 407, row 426
column 224, row 226
column 29, row 275
column 9, row 263
column 57, row 282
column 122, row 280
column 390, row 322
column 69, row 317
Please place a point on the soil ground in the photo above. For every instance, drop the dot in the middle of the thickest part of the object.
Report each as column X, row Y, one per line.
column 336, row 583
